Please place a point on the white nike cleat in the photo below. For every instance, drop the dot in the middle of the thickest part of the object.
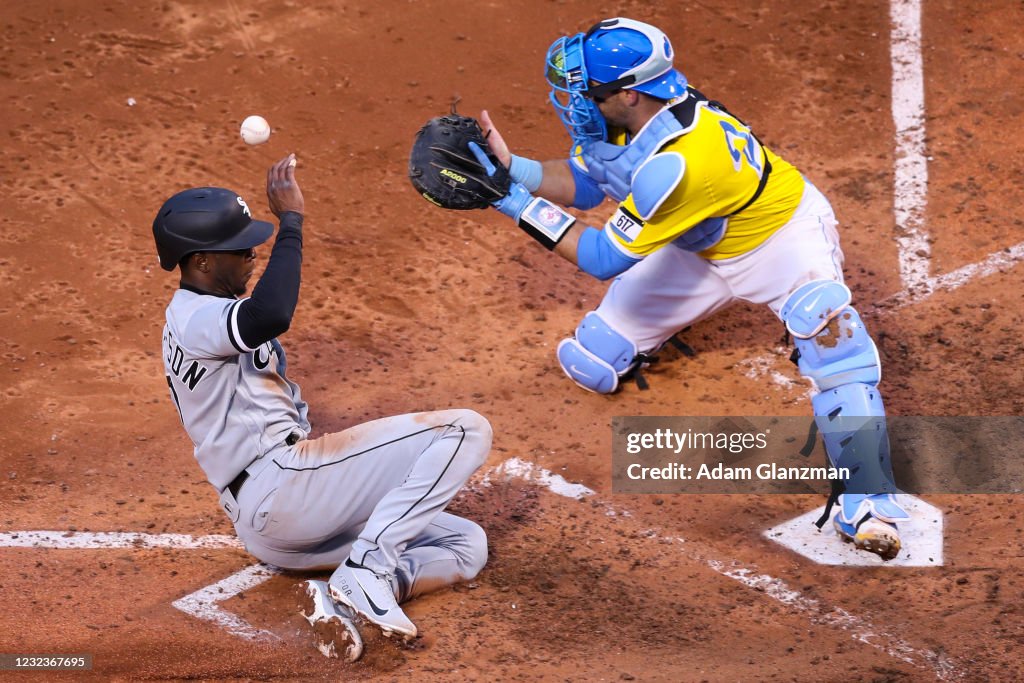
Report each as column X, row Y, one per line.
column 371, row 595
column 334, row 631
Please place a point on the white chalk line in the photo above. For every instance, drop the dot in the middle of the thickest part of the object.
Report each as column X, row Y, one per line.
column 911, row 167
column 556, row 483
column 113, row 539
column 995, row 263
column 859, row 628
column 911, row 170
column 203, row 604
column 764, row 367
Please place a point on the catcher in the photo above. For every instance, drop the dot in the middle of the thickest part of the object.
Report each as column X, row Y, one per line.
column 706, row 215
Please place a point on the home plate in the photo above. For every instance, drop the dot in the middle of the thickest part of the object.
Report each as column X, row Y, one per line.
column 921, row 538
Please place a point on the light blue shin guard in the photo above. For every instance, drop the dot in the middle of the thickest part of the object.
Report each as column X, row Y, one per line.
column 598, row 356
column 835, row 350
column 851, row 421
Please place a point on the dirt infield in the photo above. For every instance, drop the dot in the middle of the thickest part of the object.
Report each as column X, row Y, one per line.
column 109, row 107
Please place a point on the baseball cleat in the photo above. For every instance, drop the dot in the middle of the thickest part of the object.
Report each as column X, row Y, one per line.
column 871, row 534
column 334, row 631
column 370, row 594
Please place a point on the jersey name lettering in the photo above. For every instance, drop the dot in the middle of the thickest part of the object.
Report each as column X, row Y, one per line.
column 193, row 374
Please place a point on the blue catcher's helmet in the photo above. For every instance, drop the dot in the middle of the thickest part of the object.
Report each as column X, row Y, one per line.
column 615, row 54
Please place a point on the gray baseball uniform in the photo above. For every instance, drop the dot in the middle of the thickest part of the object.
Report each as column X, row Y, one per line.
column 375, row 492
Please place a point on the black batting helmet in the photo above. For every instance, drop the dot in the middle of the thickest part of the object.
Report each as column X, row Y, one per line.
column 205, row 219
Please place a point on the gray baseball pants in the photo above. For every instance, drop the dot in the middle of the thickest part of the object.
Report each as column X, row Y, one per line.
column 376, row 493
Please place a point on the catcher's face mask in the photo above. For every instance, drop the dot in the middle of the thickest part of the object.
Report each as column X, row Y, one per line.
column 566, row 73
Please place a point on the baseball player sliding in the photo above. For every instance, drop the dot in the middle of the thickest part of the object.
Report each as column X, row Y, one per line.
column 706, row 215
column 366, row 502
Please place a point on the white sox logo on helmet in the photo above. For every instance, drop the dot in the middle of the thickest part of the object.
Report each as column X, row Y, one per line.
column 245, row 207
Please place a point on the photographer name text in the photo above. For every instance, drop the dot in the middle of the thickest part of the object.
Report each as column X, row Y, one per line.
column 721, row 472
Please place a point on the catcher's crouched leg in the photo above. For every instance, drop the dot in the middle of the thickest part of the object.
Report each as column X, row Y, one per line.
column 598, row 356
column 836, row 351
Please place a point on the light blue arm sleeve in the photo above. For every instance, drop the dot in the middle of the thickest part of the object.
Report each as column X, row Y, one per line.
column 597, row 256
column 588, row 194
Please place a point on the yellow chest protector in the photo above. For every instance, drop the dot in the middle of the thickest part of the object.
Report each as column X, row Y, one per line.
column 712, row 188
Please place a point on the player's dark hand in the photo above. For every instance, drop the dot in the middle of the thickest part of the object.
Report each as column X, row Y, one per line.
column 283, row 191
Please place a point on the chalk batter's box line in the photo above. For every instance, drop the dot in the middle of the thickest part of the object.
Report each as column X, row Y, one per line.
column 910, row 178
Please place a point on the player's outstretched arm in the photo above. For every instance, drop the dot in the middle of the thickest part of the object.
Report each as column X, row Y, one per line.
column 552, row 226
column 456, row 165
column 268, row 312
column 587, row 248
column 549, row 179
column 568, row 246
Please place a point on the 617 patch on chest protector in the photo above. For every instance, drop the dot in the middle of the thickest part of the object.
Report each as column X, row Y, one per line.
column 626, row 225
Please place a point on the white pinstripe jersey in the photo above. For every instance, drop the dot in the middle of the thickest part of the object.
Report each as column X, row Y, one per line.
column 235, row 402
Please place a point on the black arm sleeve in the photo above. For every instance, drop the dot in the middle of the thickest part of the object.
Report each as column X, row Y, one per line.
column 268, row 312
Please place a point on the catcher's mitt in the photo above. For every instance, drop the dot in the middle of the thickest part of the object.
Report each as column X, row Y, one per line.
column 443, row 169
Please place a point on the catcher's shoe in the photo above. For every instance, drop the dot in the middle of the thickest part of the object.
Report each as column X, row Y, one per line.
column 334, row 631
column 869, row 522
column 371, row 595
column 870, row 534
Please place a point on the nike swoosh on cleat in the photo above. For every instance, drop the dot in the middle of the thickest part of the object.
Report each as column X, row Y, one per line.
column 376, row 610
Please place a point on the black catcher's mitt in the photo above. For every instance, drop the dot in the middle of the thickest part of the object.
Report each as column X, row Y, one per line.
column 443, row 168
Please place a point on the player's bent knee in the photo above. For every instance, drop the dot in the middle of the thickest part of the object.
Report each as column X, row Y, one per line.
column 834, row 348
column 598, row 356
column 476, row 544
column 841, row 354
column 467, row 542
column 478, row 428
column 809, row 307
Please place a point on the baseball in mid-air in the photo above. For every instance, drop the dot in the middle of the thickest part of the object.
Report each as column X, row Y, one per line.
column 255, row 130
